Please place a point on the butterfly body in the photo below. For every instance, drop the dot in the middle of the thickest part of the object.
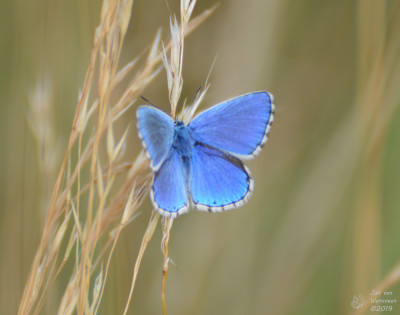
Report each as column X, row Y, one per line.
column 199, row 165
column 183, row 139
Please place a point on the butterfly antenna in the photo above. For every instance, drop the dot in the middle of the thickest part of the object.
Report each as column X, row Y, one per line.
column 146, row 100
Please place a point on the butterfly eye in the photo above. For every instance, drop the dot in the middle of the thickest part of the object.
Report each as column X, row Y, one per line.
column 178, row 123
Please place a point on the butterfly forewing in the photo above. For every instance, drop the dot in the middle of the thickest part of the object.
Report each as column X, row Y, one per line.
column 239, row 126
column 156, row 129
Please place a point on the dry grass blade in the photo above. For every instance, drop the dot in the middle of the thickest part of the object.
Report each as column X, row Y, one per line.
column 173, row 66
column 96, row 202
column 146, row 239
column 167, row 225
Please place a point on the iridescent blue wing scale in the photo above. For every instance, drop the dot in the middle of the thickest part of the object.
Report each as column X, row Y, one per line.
column 218, row 181
column 169, row 189
column 156, row 129
column 239, row 126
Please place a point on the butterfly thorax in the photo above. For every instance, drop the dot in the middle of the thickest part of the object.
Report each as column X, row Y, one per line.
column 183, row 140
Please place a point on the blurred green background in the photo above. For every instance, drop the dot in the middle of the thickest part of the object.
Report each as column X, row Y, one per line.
column 323, row 223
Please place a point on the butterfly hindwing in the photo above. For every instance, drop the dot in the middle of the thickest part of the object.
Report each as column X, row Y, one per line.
column 239, row 126
column 156, row 129
column 169, row 189
column 218, row 181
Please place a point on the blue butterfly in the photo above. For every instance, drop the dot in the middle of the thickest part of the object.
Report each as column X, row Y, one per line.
column 200, row 165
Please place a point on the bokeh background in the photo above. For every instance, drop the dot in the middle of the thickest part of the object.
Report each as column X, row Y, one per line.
column 323, row 223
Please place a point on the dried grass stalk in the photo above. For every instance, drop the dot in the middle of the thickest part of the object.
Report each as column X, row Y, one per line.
column 84, row 210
